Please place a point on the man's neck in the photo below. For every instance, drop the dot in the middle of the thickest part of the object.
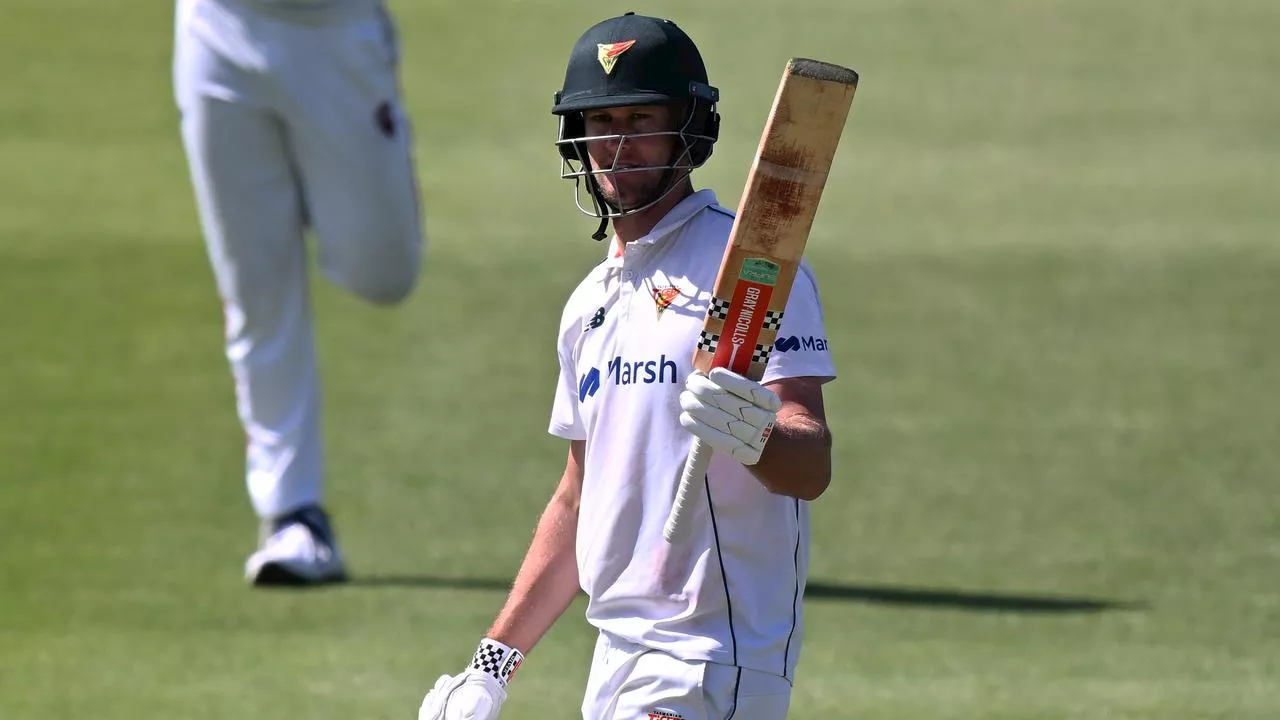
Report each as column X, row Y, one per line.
column 633, row 227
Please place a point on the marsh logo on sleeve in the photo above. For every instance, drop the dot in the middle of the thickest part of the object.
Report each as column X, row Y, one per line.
column 793, row 343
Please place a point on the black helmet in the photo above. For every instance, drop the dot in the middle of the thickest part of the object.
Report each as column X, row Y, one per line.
column 635, row 60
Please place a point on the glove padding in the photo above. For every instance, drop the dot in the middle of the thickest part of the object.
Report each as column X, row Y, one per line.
column 469, row 695
column 729, row 412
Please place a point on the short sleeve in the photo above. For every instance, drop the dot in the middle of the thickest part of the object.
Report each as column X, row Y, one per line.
column 800, row 349
column 566, row 421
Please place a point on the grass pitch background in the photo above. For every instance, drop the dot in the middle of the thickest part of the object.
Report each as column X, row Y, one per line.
column 1048, row 254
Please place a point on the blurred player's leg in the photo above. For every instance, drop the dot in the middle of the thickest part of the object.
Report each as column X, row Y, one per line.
column 252, row 217
column 250, row 213
column 354, row 147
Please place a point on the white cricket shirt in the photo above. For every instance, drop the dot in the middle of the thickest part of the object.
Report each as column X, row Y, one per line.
column 732, row 593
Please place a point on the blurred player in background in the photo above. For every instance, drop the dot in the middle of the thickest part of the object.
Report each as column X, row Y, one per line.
column 709, row 627
column 292, row 120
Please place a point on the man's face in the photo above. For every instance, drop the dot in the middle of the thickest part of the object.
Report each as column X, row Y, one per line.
column 625, row 190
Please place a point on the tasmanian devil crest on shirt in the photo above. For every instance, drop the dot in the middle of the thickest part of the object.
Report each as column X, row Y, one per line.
column 663, row 297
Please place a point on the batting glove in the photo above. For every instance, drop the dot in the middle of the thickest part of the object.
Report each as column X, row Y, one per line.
column 729, row 412
column 478, row 692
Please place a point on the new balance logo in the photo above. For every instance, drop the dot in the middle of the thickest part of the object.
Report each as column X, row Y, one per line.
column 792, row 343
column 596, row 320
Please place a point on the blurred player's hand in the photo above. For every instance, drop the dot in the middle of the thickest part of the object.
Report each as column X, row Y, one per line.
column 729, row 412
column 470, row 695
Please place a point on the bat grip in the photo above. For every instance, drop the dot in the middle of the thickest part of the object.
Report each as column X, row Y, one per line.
column 695, row 469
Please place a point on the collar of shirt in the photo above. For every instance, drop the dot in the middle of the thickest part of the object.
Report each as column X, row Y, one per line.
column 672, row 221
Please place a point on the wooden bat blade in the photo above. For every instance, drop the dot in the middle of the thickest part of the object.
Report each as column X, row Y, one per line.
column 775, row 215
column 767, row 239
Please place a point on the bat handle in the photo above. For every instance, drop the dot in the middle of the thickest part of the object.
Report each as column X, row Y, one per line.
column 695, row 469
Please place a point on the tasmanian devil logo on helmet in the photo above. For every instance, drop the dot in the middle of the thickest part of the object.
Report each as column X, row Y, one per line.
column 608, row 54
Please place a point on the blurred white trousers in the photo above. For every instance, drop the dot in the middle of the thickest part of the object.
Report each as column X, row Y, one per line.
column 290, row 122
column 631, row 681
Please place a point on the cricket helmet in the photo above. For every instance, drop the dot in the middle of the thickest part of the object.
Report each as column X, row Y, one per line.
column 635, row 60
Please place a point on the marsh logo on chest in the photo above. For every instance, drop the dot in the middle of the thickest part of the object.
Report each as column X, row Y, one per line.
column 621, row 372
column 588, row 384
column 643, row 372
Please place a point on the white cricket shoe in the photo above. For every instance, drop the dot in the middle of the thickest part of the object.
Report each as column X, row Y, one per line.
column 297, row 549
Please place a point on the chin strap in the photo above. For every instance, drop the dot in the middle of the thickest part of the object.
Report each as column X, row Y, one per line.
column 600, row 233
column 597, row 198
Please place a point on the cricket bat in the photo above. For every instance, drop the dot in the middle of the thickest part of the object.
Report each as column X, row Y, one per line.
column 768, row 237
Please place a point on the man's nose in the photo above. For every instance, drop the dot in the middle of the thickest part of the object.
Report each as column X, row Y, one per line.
column 616, row 141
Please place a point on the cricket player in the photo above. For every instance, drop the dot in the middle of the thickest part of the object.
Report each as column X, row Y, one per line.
column 292, row 121
column 709, row 628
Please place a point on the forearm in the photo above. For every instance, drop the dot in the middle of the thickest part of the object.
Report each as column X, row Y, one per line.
column 547, row 581
column 543, row 589
column 797, row 458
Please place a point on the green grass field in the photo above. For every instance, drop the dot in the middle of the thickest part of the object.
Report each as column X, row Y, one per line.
column 1050, row 264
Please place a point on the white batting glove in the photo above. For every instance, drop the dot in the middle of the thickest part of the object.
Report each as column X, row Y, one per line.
column 470, row 695
column 729, row 412
column 478, row 692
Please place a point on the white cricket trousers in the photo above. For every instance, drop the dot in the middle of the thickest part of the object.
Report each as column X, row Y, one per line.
column 290, row 121
column 632, row 682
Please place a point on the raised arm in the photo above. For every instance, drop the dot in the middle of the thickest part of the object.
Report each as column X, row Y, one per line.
column 779, row 431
